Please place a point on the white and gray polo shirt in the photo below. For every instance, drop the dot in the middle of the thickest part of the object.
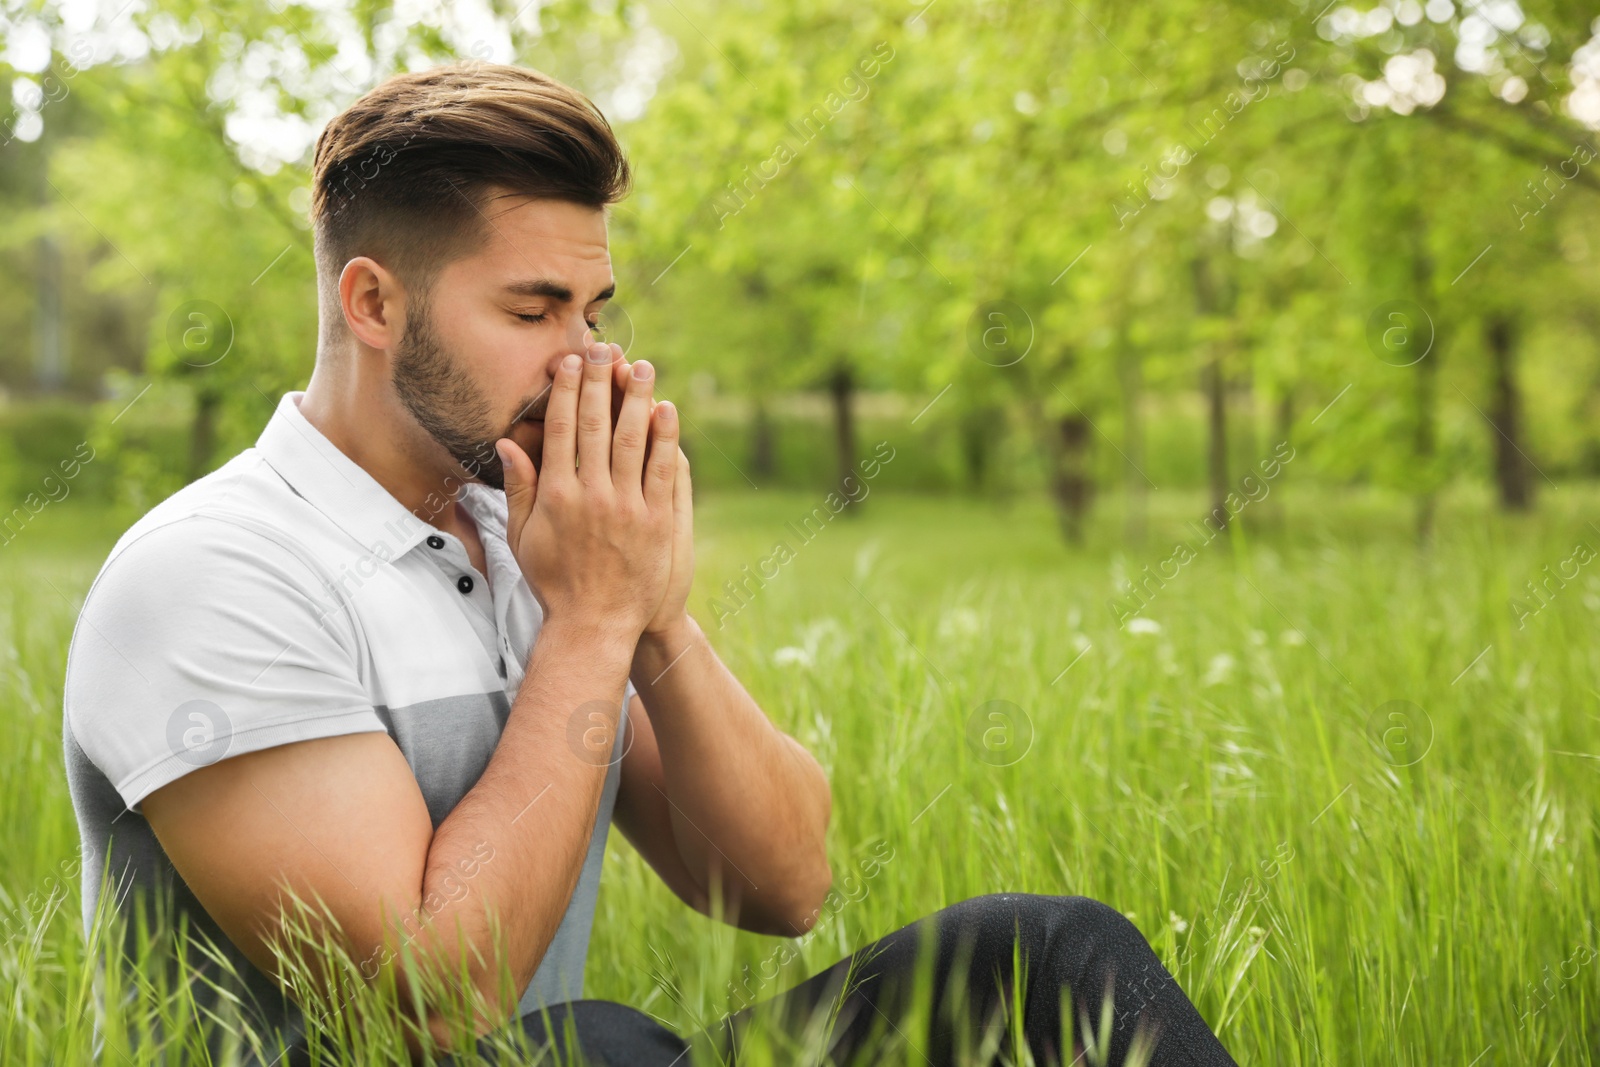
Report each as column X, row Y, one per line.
column 284, row 597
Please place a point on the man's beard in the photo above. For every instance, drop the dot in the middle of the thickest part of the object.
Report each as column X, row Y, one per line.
column 444, row 400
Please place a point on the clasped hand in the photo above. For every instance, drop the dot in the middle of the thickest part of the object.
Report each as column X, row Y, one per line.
column 603, row 531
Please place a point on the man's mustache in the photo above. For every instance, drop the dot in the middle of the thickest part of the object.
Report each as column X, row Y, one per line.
column 535, row 408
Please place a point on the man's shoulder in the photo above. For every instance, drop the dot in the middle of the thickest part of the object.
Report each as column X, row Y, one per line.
column 224, row 518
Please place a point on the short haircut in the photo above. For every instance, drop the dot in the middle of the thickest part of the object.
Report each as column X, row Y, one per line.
column 404, row 173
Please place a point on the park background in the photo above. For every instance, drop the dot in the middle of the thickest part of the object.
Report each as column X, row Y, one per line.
column 1238, row 362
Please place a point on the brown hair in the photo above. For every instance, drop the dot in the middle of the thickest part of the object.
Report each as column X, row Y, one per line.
column 403, row 173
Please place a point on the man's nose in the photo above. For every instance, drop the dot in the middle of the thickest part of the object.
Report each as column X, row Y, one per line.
column 582, row 337
column 577, row 344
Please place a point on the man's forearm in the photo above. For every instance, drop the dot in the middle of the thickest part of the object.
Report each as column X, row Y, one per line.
column 749, row 805
column 534, row 805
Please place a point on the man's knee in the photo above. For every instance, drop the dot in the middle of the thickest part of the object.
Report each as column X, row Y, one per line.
column 600, row 1033
column 1073, row 936
column 1078, row 913
column 1087, row 913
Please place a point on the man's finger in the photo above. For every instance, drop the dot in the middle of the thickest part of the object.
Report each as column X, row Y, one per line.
column 659, row 475
column 521, row 484
column 561, row 421
column 650, row 440
column 633, row 429
column 619, row 387
column 682, row 492
column 594, row 416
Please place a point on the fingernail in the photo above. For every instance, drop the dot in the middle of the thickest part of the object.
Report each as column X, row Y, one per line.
column 642, row 370
column 572, row 362
column 600, row 353
column 666, row 410
column 505, row 461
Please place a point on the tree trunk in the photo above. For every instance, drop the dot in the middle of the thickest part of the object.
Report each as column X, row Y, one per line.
column 977, row 430
column 975, row 447
column 1217, row 443
column 1069, row 481
column 49, row 332
column 1511, row 464
column 1215, row 298
column 763, row 450
column 203, row 431
column 1131, row 378
column 1426, row 445
column 842, row 385
column 1283, row 431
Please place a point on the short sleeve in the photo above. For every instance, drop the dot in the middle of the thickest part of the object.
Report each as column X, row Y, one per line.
column 203, row 639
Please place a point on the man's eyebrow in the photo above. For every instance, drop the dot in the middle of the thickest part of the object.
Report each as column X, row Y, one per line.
column 553, row 289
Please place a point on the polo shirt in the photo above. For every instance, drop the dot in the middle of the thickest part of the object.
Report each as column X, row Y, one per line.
column 284, row 597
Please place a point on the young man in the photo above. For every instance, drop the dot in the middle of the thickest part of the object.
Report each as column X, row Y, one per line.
column 413, row 653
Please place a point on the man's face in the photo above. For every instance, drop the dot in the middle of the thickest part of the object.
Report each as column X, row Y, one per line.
column 479, row 353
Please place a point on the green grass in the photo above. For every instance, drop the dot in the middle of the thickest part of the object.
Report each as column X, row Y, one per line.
column 1217, row 780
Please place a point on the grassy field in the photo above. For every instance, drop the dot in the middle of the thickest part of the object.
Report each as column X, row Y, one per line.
column 1334, row 877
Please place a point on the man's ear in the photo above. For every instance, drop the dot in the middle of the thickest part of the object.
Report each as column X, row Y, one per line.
column 373, row 302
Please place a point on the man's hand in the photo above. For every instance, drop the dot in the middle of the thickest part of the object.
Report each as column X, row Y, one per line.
column 673, row 609
column 593, row 530
column 674, row 605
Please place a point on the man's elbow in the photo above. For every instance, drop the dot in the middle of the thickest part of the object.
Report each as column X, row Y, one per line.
column 815, row 882
column 489, row 1006
column 805, row 907
column 497, row 999
column 819, row 894
column 462, row 990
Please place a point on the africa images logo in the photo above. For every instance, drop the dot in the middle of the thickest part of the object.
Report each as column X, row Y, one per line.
column 199, row 732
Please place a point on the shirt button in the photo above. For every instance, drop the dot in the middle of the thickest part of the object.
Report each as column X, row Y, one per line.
column 464, row 583
column 435, row 541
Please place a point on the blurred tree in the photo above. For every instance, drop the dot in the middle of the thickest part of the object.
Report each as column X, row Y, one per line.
column 843, row 199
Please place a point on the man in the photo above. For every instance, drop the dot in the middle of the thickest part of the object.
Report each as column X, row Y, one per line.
column 409, row 656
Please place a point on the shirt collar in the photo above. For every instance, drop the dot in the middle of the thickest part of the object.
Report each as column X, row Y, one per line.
column 341, row 488
column 487, row 507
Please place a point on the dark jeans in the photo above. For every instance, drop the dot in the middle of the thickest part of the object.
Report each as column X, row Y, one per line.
column 1068, row 946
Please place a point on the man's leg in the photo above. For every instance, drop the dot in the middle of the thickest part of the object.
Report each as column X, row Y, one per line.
column 590, row 1033
column 574, row 1033
column 1069, row 946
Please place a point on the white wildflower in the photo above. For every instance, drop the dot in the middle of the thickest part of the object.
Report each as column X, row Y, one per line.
column 1219, row 671
column 790, row 654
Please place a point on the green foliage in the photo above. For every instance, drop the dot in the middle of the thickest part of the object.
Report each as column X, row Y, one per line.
column 846, row 189
column 1322, row 895
column 1161, row 190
